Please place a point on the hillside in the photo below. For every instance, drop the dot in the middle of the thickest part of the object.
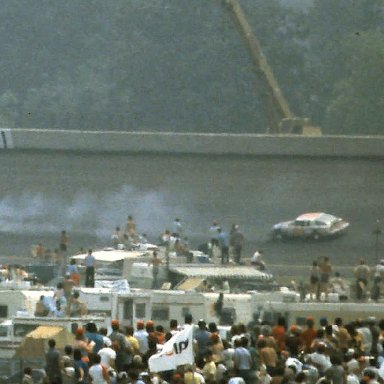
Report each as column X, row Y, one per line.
column 182, row 66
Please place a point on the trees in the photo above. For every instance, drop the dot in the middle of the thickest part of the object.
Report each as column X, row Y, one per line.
column 182, row 66
column 335, row 27
column 357, row 104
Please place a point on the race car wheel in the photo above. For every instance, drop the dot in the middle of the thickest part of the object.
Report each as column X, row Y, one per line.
column 315, row 236
column 278, row 235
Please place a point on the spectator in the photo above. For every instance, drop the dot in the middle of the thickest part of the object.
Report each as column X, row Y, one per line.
column 121, row 346
column 89, row 262
column 27, row 377
column 97, row 373
column 53, row 359
column 142, row 337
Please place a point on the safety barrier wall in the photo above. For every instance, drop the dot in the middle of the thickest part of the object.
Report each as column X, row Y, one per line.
column 193, row 143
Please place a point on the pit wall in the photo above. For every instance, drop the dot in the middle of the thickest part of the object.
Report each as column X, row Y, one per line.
column 192, row 143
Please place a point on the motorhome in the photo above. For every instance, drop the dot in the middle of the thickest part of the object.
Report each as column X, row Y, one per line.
column 163, row 305
column 13, row 331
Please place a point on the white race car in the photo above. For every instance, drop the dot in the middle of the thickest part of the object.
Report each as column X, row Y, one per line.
column 314, row 225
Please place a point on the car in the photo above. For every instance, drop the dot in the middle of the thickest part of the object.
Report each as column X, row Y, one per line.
column 314, row 225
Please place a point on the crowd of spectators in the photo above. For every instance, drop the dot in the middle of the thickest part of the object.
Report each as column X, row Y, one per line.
column 266, row 353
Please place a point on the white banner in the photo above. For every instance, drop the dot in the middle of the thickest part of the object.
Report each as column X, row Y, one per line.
column 176, row 351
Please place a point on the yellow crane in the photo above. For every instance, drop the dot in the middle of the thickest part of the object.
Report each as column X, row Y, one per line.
column 281, row 118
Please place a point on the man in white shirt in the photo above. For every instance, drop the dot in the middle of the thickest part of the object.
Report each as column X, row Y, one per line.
column 107, row 354
column 319, row 359
column 97, row 373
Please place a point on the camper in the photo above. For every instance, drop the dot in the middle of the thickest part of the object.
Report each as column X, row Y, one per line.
column 163, row 305
column 13, row 331
column 14, row 301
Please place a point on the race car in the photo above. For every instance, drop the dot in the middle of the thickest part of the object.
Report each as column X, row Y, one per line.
column 313, row 225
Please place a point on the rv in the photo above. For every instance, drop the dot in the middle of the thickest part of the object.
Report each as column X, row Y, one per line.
column 13, row 331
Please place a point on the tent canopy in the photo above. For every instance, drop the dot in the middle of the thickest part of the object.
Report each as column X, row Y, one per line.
column 35, row 343
column 111, row 255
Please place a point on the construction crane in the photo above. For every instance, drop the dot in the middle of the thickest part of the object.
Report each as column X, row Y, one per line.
column 281, row 118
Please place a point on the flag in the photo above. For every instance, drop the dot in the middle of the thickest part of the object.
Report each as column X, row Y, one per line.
column 176, row 351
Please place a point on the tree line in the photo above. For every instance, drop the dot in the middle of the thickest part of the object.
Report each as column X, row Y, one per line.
column 181, row 65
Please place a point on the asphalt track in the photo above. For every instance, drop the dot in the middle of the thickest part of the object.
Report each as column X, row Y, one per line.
column 89, row 194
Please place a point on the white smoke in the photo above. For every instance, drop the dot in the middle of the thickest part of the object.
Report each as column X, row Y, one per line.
column 88, row 212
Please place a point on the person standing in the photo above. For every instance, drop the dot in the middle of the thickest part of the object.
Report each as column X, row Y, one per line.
column 155, row 261
column 121, row 346
column 89, row 262
column 218, row 305
column 92, row 335
column 177, row 228
column 130, row 229
column 202, row 339
column 236, row 242
column 309, row 334
column 209, row 368
column 314, row 282
column 97, row 373
column 62, row 252
column 361, row 272
column 39, row 251
column 81, row 367
column 107, row 354
column 325, row 268
column 53, row 366
column 378, row 274
column 214, row 235
column 142, row 337
column 242, row 358
column 63, row 242
column 224, row 246
column 116, row 238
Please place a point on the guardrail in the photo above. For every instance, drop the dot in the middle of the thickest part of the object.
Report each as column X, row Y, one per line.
column 192, row 143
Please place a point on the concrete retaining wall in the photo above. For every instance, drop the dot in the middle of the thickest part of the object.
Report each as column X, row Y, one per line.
column 194, row 143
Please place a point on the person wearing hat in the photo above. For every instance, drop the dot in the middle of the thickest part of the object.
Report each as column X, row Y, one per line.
column 309, row 334
column 82, row 343
column 142, row 337
column 293, row 341
column 121, row 346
